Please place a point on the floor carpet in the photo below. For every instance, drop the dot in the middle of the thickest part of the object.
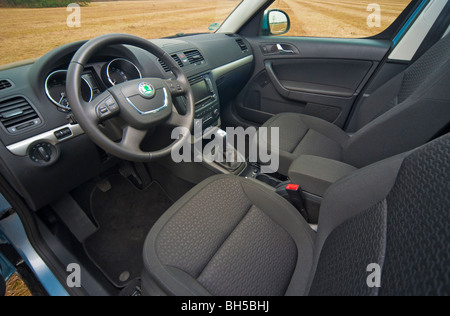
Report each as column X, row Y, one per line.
column 124, row 215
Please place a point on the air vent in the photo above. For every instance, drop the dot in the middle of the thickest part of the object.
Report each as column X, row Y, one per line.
column 194, row 57
column 5, row 84
column 164, row 65
column 242, row 45
column 17, row 114
column 176, row 58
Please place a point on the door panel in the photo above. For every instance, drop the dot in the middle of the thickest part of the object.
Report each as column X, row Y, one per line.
column 319, row 77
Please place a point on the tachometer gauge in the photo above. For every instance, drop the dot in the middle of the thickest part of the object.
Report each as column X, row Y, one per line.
column 121, row 70
column 55, row 88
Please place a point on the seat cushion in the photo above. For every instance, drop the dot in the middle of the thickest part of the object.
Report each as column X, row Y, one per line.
column 305, row 135
column 229, row 236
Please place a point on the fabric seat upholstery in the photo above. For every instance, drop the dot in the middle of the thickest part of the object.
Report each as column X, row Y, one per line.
column 234, row 236
column 406, row 112
column 204, row 233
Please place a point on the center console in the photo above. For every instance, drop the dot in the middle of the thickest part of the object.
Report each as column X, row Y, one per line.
column 207, row 104
column 207, row 121
column 309, row 179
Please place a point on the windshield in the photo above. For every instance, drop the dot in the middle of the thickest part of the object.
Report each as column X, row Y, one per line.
column 31, row 28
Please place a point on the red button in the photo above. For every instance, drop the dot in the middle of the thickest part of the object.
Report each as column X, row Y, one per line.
column 292, row 187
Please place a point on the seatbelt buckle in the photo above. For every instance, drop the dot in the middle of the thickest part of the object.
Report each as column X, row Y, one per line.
column 295, row 194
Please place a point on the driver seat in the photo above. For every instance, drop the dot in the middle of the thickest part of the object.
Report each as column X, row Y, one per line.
column 232, row 236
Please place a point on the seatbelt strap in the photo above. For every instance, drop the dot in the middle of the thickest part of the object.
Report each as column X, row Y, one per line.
column 435, row 34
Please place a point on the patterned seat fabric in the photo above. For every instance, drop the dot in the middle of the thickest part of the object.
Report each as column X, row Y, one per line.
column 234, row 236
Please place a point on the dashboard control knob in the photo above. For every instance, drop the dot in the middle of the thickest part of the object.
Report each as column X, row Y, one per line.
column 43, row 153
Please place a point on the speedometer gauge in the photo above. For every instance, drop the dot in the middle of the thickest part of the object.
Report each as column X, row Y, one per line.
column 55, row 88
column 121, row 70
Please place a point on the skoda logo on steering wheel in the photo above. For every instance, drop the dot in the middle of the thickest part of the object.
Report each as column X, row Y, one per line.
column 146, row 90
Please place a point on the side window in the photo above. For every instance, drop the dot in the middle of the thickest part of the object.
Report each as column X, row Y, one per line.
column 332, row 18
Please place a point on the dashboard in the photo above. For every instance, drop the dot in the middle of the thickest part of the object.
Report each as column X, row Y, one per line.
column 45, row 153
column 93, row 83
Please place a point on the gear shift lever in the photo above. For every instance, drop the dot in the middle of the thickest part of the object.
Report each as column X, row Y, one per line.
column 229, row 161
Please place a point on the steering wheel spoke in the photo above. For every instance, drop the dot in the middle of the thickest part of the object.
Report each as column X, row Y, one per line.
column 132, row 139
column 176, row 120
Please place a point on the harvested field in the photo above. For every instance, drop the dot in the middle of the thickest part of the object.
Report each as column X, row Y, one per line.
column 338, row 18
column 16, row 287
column 30, row 33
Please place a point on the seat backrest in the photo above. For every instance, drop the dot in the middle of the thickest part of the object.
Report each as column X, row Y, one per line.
column 406, row 112
column 407, row 83
column 388, row 225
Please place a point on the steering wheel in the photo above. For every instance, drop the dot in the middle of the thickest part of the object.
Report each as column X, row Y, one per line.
column 142, row 103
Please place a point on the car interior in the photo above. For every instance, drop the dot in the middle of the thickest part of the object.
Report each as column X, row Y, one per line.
column 86, row 137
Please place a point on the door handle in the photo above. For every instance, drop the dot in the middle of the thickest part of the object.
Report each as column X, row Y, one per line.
column 281, row 50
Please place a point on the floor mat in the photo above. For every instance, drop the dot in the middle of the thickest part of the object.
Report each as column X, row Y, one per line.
column 124, row 215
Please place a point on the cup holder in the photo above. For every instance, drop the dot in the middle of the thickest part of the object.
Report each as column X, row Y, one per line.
column 269, row 180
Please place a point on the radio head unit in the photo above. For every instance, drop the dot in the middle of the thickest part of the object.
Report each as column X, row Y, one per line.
column 203, row 90
column 207, row 105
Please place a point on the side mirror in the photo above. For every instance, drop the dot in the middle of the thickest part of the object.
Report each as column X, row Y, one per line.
column 275, row 22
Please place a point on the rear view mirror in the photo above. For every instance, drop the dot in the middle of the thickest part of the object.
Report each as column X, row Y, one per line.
column 276, row 22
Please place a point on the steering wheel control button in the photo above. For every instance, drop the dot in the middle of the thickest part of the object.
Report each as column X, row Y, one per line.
column 113, row 107
column 147, row 90
column 171, row 86
column 109, row 102
column 107, row 108
column 175, row 87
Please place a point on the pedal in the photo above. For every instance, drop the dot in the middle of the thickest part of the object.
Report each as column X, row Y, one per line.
column 137, row 174
column 103, row 185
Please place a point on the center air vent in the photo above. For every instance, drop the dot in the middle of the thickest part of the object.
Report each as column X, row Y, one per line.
column 17, row 114
column 5, row 84
column 242, row 45
column 176, row 58
column 194, row 57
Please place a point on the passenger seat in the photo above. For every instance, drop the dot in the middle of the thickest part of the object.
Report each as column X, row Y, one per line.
column 405, row 113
